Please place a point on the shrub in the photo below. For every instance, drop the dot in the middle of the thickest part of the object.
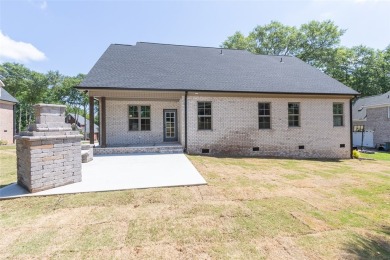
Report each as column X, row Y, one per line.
column 3, row 142
column 356, row 154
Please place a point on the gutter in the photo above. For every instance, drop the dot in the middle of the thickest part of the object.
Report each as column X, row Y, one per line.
column 377, row 106
column 218, row 91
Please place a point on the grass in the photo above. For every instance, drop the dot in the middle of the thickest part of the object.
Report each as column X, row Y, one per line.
column 7, row 164
column 252, row 208
column 381, row 156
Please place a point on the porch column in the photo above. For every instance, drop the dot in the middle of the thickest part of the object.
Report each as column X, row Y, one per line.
column 91, row 120
column 103, row 122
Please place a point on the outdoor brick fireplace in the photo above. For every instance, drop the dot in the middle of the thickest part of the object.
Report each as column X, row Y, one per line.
column 48, row 154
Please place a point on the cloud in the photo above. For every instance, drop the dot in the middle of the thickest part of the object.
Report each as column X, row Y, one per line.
column 18, row 51
column 43, row 5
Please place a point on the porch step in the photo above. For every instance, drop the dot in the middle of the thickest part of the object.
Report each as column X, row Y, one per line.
column 138, row 149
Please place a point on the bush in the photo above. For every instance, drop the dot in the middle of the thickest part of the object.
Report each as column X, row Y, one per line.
column 356, row 154
column 3, row 142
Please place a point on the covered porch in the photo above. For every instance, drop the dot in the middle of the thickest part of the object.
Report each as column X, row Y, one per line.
column 134, row 121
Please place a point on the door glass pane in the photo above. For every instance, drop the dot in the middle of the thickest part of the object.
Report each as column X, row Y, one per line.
column 170, row 125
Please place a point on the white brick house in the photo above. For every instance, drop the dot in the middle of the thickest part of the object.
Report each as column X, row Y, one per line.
column 372, row 114
column 219, row 101
column 7, row 118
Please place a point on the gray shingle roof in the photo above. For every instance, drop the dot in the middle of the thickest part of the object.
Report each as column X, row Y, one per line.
column 177, row 67
column 82, row 121
column 359, row 107
column 5, row 96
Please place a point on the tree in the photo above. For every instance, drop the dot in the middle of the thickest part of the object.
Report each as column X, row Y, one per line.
column 31, row 87
column 276, row 39
column 239, row 42
column 383, row 69
column 67, row 94
column 318, row 42
column 27, row 86
column 363, row 69
column 341, row 66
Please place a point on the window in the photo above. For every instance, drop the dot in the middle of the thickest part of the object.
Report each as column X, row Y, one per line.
column 139, row 118
column 338, row 114
column 264, row 115
column 293, row 114
column 358, row 128
column 204, row 115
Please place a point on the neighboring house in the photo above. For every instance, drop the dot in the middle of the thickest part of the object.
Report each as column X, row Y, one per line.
column 372, row 114
column 7, row 116
column 219, row 101
column 82, row 124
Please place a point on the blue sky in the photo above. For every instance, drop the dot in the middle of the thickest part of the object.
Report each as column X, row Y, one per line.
column 70, row 36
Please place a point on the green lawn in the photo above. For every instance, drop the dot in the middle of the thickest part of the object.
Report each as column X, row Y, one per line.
column 382, row 156
column 7, row 164
column 252, row 208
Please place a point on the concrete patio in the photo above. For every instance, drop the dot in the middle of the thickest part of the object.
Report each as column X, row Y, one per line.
column 122, row 172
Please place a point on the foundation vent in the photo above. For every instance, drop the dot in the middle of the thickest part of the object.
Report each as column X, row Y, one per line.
column 301, row 147
column 255, row 149
column 342, row 145
column 205, row 150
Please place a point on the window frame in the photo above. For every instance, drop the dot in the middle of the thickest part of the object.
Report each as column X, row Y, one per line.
column 298, row 115
column 205, row 116
column 264, row 116
column 140, row 118
column 338, row 115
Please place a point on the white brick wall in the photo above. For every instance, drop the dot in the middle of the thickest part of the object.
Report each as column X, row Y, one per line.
column 118, row 123
column 6, row 122
column 235, row 128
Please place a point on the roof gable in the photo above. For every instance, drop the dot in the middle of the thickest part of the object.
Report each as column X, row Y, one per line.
column 175, row 67
column 82, row 121
column 360, row 106
column 5, row 96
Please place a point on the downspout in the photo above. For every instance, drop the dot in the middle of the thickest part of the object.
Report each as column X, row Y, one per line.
column 350, row 126
column 185, row 122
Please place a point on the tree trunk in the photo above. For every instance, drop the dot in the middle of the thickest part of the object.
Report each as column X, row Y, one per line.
column 29, row 117
column 20, row 118
column 26, row 119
